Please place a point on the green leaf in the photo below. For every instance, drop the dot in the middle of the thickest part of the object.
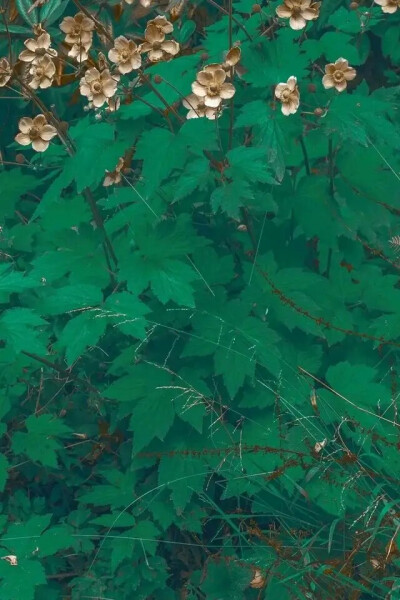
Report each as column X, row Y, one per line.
column 231, row 197
column 21, row 581
column 29, row 15
column 81, row 332
column 143, row 424
column 39, row 443
column 19, row 329
column 97, row 150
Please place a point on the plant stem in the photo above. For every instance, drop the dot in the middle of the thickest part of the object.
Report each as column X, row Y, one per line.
column 225, row 12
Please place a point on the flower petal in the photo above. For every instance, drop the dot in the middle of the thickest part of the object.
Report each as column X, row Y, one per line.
column 199, row 89
column 27, row 56
column 350, row 74
column 48, row 132
column 219, row 76
column 212, row 101
column 67, row 24
column 171, row 47
column 98, row 100
column 204, row 77
column 283, row 11
column 25, row 124
column 39, row 121
column 40, row 145
column 327, row 81
column 227, row 91
column 297, row 22
column 341, row 86
column 23, row 139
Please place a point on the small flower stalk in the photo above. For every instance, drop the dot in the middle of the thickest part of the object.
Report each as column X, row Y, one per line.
column 298, row 12
column 288, row 95
column 338, row 74
column 37, row 132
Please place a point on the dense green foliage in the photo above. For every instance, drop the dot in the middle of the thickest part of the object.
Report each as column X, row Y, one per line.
column 198, row 364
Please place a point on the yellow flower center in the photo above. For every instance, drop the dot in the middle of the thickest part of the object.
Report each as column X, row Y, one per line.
column 338, row 76
column 124, row 55
column 34, row 133
column 156, row 45
column 96, row 87
column 285, row 95
column 40, row 51
column 214, row 89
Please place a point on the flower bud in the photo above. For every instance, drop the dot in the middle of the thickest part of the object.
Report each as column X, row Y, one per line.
column 318, row 112
column 256, row 8
column 20, row 158
column 157, row 79
column 204, row 56
column 353, row 5
column 312, row 87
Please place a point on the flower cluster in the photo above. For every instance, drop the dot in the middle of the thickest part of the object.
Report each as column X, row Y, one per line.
column 79, row 35
column 155, row 45
column 211, row 88
column 336, row 76
column 39, row 55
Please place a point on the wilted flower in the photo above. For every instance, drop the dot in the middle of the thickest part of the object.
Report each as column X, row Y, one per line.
column 113, row 104
column 5, row 72
column 197, row 108
column 80, row 51
column 162, row 24
column 36, row 132
column 42, row 71
column 210, row 85
column 288, row 94
column 388, row 6
column 156, row 45
column 78, row 28
column 113, row 177
column 232, row 58
column 125, row 54
column 37, row 48
column 299, row 12
column 258, row 580
column 98, row 86
column 11, row 559
column 337, row 75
